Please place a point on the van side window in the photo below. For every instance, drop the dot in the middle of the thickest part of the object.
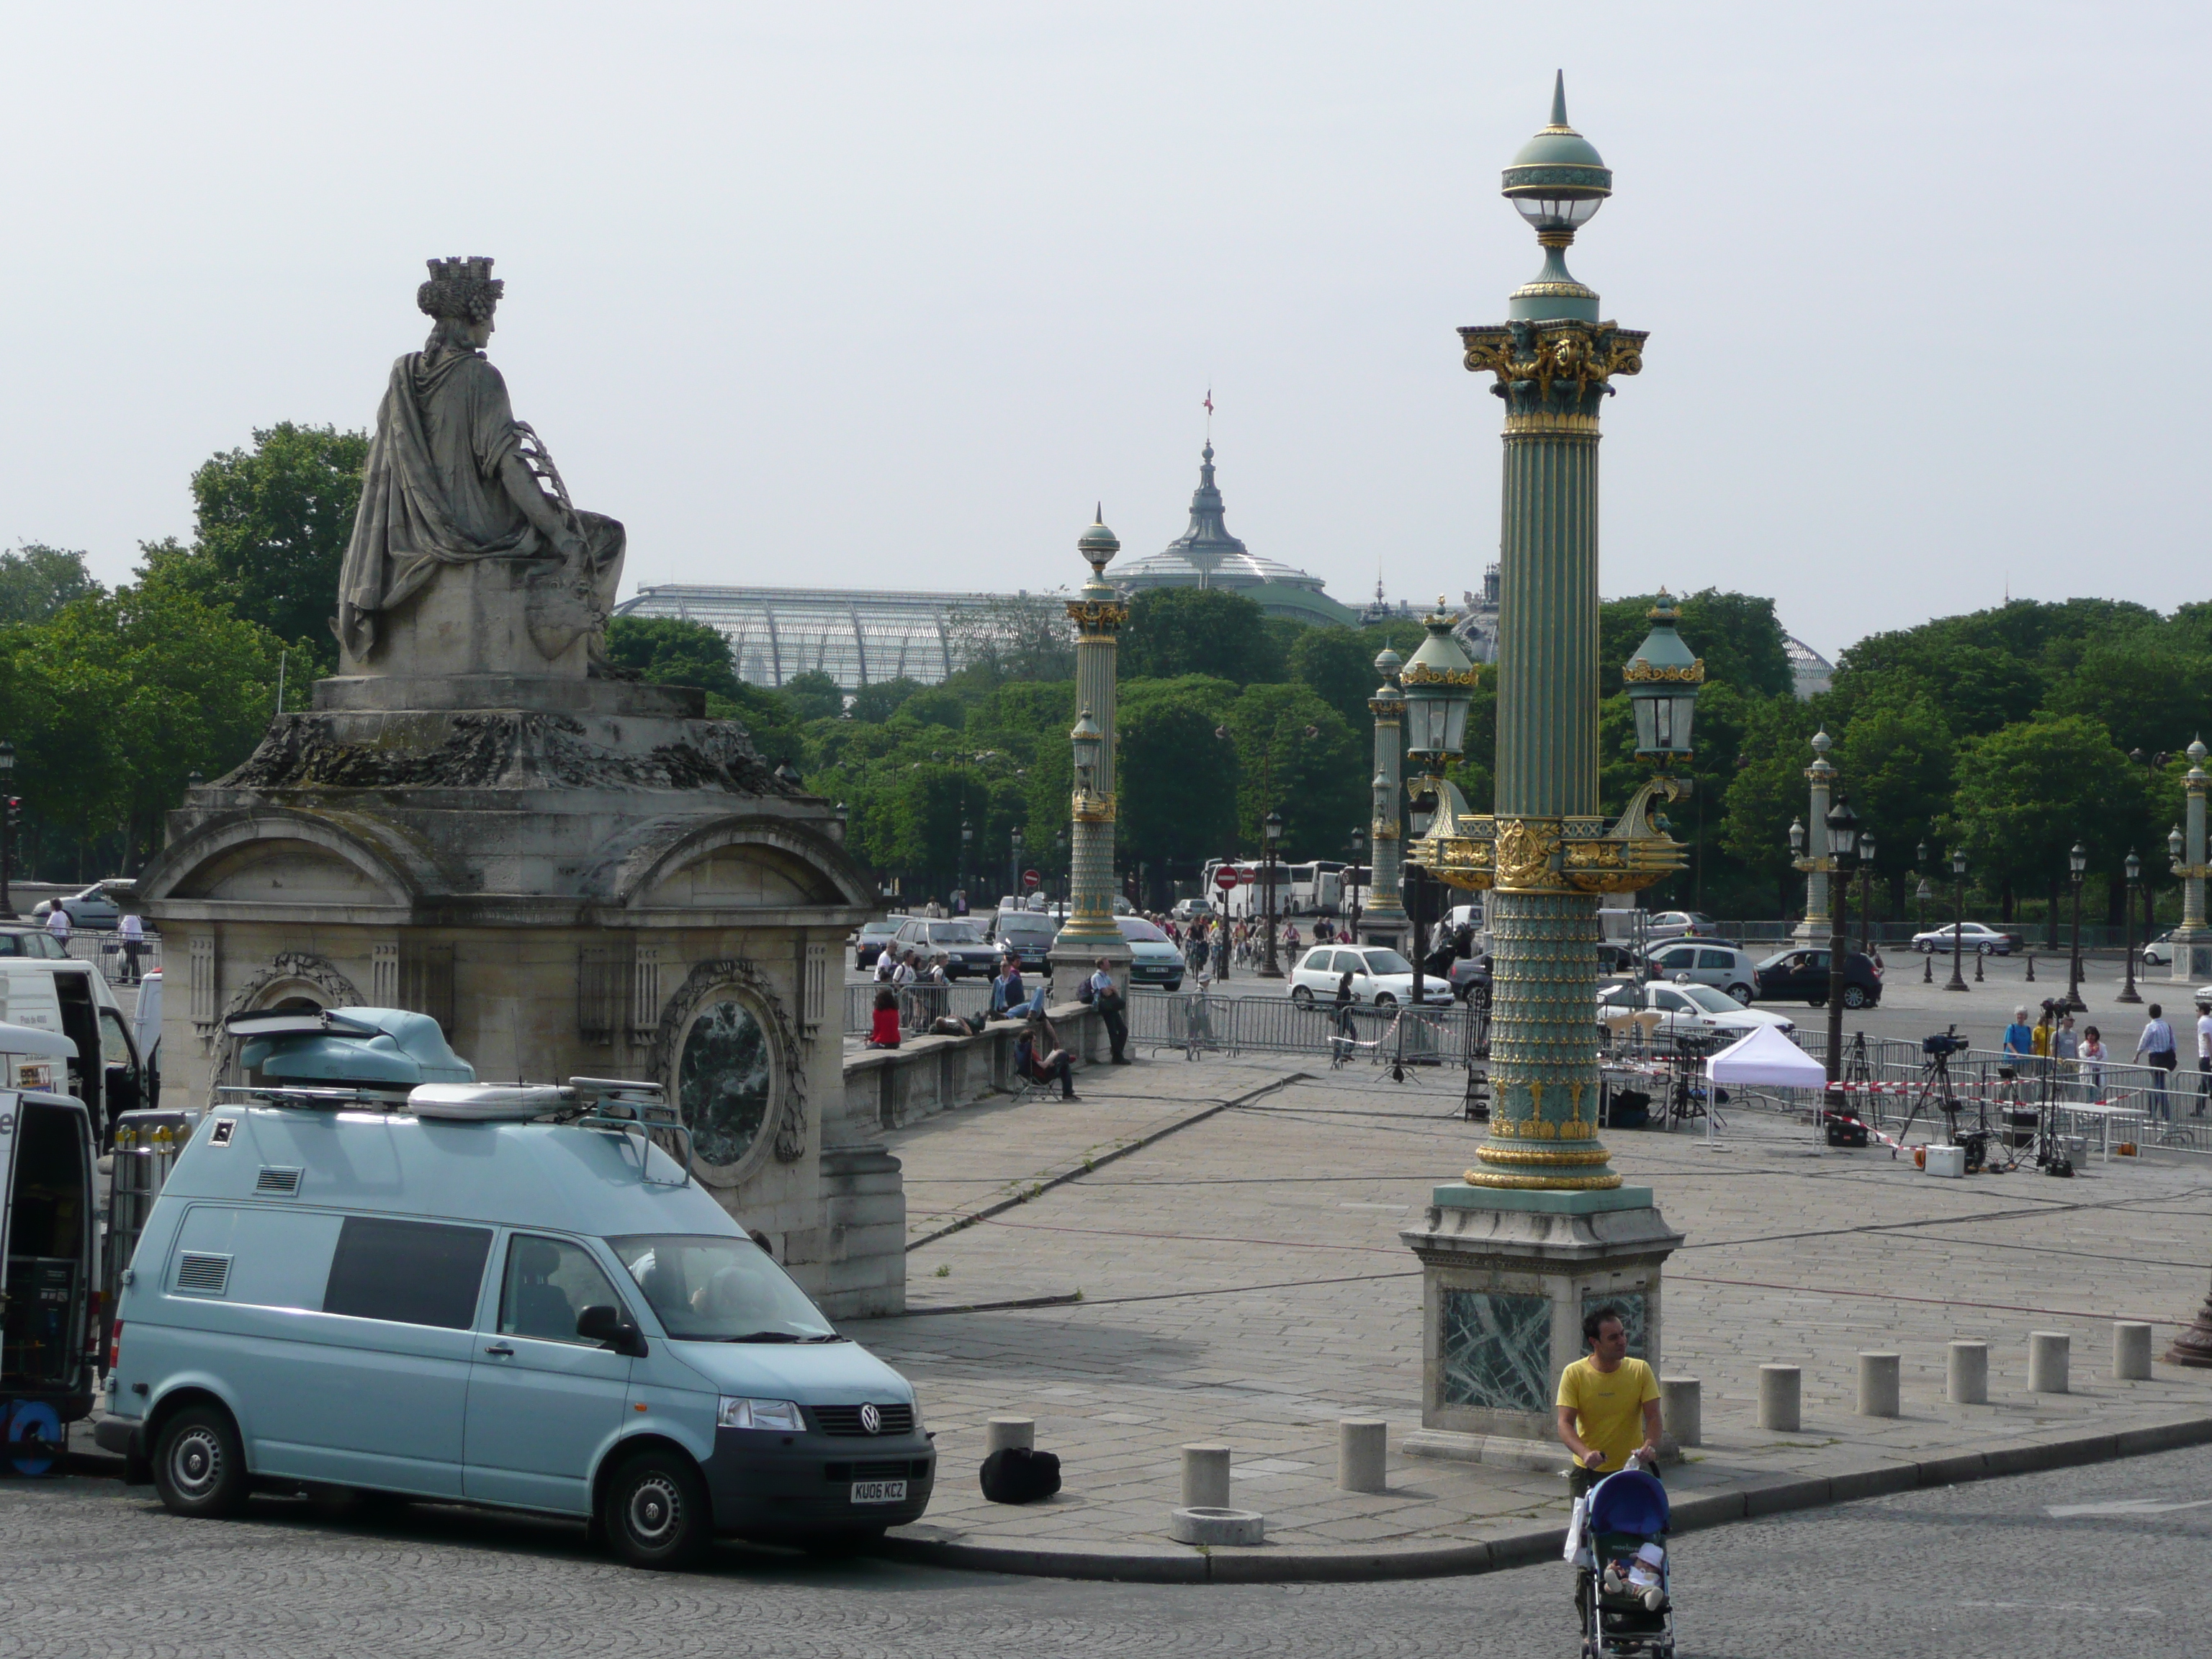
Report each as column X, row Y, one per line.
column 411, row 1272
column 549, row 1282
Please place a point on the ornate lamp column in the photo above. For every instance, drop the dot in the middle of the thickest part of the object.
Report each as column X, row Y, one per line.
column 1384, row 922
column 2192, row 940
column 1822, row 776
column 1097, row 613
column 1513, row 1254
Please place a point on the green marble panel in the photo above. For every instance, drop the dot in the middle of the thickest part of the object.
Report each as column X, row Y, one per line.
column 1497, row 1350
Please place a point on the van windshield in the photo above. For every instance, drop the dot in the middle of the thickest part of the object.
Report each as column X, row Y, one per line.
column 705, row 1289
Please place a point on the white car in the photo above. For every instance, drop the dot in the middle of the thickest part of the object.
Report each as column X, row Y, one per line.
column 2158, row 953
column 1689, row 1011
column 1379, row 976
column 1975, row 938
column 1681, row 924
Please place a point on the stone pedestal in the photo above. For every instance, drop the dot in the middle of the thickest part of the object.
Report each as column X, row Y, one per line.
column 573, row 877
column 2192, row 955
column 1506, row 1278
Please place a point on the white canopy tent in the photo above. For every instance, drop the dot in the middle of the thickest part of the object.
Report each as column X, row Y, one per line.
column 1764, row 1060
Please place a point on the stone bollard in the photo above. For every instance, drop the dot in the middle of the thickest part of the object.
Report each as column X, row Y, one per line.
column 1362, row 1451
column 1205, row 1477
column 2046, row 1361
column 1779, row 1397
column 2031, row 967
column 1978, row 954
column 2131, row 1352
column 1967, row 1381
column 1005, row 1432
column 1878, row 1391
column 1681, row 1410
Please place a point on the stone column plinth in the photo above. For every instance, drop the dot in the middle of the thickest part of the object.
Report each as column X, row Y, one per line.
column 1506, row 1277
column 2192, row 940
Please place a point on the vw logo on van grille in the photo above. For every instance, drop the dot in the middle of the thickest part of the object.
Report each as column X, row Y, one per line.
column 871, row 1420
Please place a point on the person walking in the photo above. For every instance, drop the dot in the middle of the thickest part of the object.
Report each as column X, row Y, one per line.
column 1609, row 1414
column 132, row 931
column 1106, row 998
column 2204, row 1053
column 2155, row 1049
column 57, row 921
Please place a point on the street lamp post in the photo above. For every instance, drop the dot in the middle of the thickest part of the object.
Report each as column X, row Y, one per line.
column 7, row 825
column 1958, row 981
column 1014, row 876
column 2128, row 992
column 1358, row 846
column 1271, row 835
column 967, row 843
column 1866, row 892
column 1844, row 846
column 2077, row 861
column 1386, row 910
column 1920, row 912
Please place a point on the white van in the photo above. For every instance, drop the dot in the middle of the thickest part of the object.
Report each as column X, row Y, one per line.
column 72, row 999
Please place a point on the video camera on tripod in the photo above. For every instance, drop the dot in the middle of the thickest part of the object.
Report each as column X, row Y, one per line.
column 1944, row 1045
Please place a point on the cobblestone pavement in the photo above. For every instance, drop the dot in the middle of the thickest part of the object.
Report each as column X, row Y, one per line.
column 2107, row 1561
column 1241, row 1282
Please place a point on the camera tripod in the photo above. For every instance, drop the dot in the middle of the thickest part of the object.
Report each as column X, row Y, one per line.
column 1935, row 1091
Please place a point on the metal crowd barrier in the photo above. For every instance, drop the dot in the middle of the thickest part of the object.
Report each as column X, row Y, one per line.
column 919, row 1004
column 105, row 950
column 1198, row 1022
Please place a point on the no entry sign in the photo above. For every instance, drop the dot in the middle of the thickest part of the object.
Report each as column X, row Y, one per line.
column 1225, row 877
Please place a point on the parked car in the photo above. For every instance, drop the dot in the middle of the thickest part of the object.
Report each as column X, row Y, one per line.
column 21, row 940
column 464, row 1301
column 94, row 908
column 1027, row 933
column 1688, row 1011
column 1379, row 976
column 1723, row 966
column 1153, row 958
column 960, row 942
column 868, row 944
column 1801, row 973
column 1975, row 938
column 1681, row 924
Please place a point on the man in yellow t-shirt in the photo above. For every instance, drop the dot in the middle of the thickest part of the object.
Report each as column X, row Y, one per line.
column 1608, row 1403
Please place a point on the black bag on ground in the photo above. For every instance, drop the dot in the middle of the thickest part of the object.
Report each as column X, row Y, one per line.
column 1016, row 1475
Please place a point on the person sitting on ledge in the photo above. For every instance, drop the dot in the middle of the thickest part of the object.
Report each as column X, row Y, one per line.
column 1007, row 996
column 884, row 1029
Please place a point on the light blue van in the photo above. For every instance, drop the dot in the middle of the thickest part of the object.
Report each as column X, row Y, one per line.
column 496, row 1295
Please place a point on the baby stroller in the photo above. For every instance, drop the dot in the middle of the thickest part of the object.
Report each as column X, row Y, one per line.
column 1621, row 1544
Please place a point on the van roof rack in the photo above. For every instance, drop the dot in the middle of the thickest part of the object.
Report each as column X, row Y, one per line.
column 316, row 1099
column 318, row 1022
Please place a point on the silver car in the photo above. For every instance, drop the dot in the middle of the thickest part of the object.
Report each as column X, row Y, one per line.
column 1713, row 963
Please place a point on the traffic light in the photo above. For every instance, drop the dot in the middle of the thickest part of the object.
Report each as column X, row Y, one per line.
column 15, row 811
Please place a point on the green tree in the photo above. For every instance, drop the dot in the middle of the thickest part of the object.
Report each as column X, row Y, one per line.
column 672, row 651
column 2026, row 792
column 815, row 695
column 1177, row 784
column 878, row 700
column 1174, row 631
column 36, row 581
column 2149, row 690
column 271, row 528
column 1896, row 760
column 1337, row 666
column 1318, row 783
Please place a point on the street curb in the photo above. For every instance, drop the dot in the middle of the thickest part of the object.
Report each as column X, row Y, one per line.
column 1751, row 1501
column 1098, row 1162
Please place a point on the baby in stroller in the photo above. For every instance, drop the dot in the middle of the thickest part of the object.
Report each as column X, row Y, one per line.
column 1619, row 1537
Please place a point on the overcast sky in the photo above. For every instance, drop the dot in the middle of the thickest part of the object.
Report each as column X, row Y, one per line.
column 887, row 296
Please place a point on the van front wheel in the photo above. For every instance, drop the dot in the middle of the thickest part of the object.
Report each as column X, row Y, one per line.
column 199, row 1465
column 657, row 1513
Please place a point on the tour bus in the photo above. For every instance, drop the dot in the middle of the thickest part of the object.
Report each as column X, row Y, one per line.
column 1301, row 889
column 50, row 1311
column 506, row 1295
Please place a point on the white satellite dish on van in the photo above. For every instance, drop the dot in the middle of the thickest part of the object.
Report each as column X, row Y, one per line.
column 487, row 1103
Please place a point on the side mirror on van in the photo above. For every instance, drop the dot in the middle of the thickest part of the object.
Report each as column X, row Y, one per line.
column 606, row 1327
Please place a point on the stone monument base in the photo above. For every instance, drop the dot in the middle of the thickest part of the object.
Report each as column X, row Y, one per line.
column 1507, row 1276
column 2192, row 955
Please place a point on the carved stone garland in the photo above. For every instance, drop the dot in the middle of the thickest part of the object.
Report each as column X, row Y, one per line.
column 698, row 986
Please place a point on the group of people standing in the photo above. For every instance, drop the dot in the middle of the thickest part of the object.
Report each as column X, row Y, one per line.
column 2052, row 1047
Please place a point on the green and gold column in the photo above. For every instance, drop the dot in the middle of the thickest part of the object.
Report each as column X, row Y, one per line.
column 1384, row 920
column 1555, row 362
column 1090, row 932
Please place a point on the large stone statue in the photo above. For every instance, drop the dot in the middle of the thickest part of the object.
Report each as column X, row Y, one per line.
column 467, row 557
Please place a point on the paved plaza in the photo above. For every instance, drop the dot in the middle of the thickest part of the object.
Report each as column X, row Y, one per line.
column 1240, row 1281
